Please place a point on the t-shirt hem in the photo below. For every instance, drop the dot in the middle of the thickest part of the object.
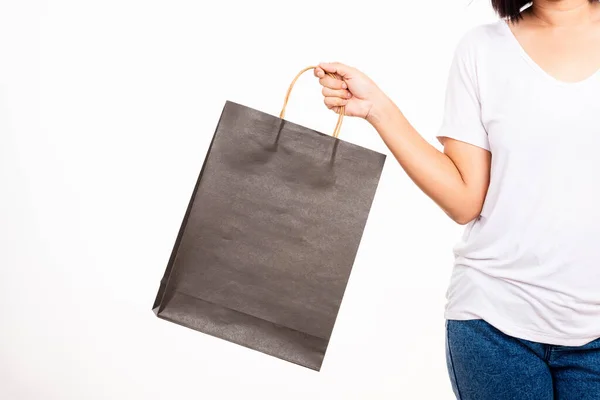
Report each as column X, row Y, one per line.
column 525, row 334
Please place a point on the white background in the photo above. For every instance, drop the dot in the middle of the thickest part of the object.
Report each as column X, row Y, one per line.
column 106, row 112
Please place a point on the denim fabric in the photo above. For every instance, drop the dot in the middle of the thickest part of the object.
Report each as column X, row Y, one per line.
column 486, row 364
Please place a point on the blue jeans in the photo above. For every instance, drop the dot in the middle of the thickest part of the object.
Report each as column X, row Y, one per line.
column 486, row 364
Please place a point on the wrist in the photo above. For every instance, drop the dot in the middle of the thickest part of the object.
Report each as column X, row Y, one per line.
column 380, row 109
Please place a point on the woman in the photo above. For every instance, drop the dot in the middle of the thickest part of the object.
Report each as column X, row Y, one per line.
column 520, row 168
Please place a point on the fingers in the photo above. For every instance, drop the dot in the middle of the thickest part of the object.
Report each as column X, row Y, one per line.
column 329, row 81
column 337, row 68
column 335, row 90
column 332, row 102
column 332, row 83
column 342, row 94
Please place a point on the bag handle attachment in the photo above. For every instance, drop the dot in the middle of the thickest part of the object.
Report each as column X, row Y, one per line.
column 338, row 126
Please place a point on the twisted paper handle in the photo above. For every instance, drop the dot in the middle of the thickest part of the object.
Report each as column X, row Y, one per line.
column 338, row 126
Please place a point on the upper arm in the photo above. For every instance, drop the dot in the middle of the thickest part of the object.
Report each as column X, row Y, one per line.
column 473, row 163
column 462, row 133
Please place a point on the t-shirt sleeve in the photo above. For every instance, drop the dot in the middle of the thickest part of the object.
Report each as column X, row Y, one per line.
column 462, row 107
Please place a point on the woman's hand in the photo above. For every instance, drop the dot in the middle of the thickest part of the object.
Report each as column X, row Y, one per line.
column 356, row 91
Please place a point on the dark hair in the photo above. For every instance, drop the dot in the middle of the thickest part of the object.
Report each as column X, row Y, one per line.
column 511, row 9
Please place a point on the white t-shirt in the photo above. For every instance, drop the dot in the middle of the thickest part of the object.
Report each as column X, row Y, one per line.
column 530, row 264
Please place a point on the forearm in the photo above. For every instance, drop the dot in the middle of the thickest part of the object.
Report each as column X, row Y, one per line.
column 431, row 170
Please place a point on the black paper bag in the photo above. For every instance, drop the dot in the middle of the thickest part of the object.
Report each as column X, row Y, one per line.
column 267, row 243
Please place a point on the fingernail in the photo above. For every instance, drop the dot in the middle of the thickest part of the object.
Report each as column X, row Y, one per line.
column 348, row 95
column 344, row 85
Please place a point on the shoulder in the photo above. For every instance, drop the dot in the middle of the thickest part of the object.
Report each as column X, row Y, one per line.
column 481, row 39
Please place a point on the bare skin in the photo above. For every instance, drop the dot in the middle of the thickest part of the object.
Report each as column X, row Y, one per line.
column 562, row 36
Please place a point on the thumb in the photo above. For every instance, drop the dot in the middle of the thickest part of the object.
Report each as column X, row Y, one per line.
column 337, row 68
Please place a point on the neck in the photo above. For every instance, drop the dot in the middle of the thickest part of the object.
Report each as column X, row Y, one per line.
column 564, row 13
